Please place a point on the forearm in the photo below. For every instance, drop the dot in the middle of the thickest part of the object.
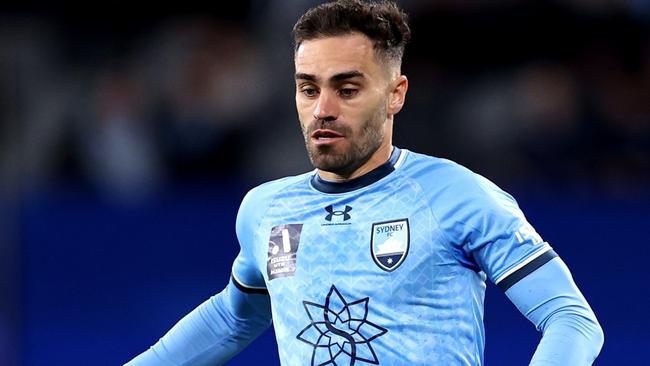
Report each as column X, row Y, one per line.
column 212, row 333
column 572, row 339
column 550, row 299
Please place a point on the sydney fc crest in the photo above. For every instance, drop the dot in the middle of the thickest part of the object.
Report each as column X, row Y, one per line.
column 389, row 243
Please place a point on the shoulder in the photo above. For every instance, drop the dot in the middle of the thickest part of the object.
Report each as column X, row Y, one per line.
column 438, row 172
column 260, row 198
column 447, row 181
column 264, row 193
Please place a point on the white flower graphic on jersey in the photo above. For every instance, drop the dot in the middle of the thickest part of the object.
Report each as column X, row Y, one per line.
column 340, row 332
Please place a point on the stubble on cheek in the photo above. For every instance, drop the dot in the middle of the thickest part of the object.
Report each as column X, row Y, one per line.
column 346, row 156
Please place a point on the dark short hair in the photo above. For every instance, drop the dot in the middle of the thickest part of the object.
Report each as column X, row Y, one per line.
column 383, row 22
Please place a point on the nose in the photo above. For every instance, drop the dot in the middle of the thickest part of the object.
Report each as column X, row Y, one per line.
column 327, row 108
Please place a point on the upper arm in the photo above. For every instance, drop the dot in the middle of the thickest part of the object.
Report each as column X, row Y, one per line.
column 488, row 229
column 246, row 272
column 550, row 299
column 546, row 291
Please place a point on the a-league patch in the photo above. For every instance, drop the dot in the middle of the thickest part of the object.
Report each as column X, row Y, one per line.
column 283, row 248
column 389, row 243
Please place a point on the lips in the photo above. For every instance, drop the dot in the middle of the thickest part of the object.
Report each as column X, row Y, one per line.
column 324, row 136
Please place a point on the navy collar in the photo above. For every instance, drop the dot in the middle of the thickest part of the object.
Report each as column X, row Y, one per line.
column 365, row 180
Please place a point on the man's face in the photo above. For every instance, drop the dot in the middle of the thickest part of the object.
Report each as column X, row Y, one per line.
column 341, row 96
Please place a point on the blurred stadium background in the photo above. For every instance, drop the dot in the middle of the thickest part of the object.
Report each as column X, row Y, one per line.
column 129, row 135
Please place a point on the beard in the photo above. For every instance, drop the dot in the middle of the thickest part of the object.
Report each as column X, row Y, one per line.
column 345, row 157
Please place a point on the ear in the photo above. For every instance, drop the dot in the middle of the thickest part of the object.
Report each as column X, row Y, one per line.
column 398, row 94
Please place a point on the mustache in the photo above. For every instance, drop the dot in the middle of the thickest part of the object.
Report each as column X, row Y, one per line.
column 327, row 125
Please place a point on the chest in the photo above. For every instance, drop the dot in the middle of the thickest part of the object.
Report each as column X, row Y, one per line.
column 387, row 238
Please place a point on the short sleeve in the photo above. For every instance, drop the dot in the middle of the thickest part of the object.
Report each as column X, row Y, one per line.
column 487, row 227
column 245, row 271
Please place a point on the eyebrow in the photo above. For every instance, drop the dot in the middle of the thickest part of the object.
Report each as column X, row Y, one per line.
column 302, row 76
column 335, row 78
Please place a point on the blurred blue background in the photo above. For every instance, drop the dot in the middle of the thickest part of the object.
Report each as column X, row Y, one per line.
column 128, row 138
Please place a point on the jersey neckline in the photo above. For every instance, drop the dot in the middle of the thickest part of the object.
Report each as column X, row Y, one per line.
column 365, row 180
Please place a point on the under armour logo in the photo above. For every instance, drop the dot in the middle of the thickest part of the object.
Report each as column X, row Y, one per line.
column 331, row 212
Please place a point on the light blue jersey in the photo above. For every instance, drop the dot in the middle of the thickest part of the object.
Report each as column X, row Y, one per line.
column 386, row 269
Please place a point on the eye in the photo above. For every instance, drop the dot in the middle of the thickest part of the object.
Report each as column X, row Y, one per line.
column 348, row 92
column 309, row 92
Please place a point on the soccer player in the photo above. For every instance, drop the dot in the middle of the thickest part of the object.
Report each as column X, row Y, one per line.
column 381, row 255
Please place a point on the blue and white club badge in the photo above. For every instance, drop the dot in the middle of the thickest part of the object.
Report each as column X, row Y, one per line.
column 389, row 243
